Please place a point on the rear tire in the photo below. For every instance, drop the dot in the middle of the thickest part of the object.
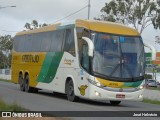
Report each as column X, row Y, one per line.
column 70, row 92
column 27, row 87
column 115, row 102
column 21, row 82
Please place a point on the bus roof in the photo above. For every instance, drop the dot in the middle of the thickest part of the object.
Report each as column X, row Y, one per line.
column 38, row 30
column 107, row 27
column 94, row 25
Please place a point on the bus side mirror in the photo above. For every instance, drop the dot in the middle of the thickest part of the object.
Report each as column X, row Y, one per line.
column 90, row 46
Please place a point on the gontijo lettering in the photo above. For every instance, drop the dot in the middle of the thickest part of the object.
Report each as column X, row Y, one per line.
column 30, row 58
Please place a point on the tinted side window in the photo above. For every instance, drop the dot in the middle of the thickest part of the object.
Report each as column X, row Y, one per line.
column 28, row 43
column 36, row 42
column 19, row 43
column 69, row 44
column 46, row 41
column 56, row 40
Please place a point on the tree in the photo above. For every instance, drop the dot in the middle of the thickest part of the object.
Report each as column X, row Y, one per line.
column 6, row 44
column 138, row 13
column 147, row 76
column 3, row 60
column 157, row 39
column 34, row 25
column 27, row 26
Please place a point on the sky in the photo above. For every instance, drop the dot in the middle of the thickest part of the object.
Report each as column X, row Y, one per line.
column 13, row 20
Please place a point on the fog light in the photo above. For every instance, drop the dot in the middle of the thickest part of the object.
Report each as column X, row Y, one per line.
column 97, row 93
column 141, row 87
column 140, row 96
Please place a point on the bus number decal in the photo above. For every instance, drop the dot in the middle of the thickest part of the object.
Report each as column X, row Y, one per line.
column 113, row 84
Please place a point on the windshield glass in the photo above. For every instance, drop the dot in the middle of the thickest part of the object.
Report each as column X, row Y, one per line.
column 118, row 56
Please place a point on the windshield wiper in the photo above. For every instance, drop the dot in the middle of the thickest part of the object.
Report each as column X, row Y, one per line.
column 122, row 66
column 114, row 70
column 128, row 70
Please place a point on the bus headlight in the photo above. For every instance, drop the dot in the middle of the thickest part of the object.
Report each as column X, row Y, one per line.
column 96, row 83
column 141, row 86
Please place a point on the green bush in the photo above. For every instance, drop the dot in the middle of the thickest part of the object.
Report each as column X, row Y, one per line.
column 147, row 76
column 10, row 107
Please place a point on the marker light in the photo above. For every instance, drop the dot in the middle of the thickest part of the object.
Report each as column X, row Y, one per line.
column 97, row 93
column 140, row 96
column 98, row 84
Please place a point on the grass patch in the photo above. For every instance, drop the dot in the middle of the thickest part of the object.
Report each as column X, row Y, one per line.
column 10, row 107
column 5, row 80
column 157, row 102
column 153, row 88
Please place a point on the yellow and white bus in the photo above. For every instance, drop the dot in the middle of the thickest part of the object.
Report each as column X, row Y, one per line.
column 85, row 59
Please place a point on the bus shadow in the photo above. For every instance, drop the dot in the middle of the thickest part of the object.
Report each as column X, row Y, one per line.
column 97, row 103
column 81, row 100
column 51, row 94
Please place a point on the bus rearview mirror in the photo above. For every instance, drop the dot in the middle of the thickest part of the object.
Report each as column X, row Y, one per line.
column 90, row 46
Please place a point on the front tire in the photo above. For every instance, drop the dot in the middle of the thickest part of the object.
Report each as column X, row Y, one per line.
column 115, row 102
column 70, row 92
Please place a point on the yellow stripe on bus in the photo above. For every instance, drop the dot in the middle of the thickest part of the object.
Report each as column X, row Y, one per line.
column 110, row 83
column 22, row 64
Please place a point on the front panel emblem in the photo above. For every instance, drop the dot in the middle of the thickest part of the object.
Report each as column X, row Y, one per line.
column 82, row 89
column 121, row 90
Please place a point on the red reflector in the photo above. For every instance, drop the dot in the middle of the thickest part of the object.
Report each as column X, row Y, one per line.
column 120, row 96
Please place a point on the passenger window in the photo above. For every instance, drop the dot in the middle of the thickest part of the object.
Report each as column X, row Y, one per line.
column 46, row 41
column 56, row 41
column 19, row 43
column 36, row 42
column 28, row 43
column 69, row 44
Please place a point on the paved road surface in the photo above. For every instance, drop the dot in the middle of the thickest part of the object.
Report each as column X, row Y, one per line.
column 44, row 101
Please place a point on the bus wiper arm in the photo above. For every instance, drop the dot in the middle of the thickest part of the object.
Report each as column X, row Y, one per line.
column 114, row 70
column 128, row 70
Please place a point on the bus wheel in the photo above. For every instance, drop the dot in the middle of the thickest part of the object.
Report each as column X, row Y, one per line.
column 115, row 102
column 70, row 92
column 26, row 84
column 21, row 82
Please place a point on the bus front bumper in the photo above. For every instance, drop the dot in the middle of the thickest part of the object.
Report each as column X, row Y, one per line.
column 97, row 93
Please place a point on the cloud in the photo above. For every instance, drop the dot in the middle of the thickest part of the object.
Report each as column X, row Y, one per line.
column 48, row 11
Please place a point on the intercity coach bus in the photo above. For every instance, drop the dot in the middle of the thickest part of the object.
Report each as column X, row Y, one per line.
column 84, row 59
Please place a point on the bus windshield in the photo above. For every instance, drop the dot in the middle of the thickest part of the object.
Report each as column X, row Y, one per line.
column 118, row 57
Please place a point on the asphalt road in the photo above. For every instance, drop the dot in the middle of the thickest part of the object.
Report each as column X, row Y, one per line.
column 46, row 101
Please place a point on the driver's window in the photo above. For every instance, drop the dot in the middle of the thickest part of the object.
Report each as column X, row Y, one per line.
column 85, row 57
column 83, row 47
column 81, row 32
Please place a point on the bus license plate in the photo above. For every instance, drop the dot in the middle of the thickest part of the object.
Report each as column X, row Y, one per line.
column 120, row 96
